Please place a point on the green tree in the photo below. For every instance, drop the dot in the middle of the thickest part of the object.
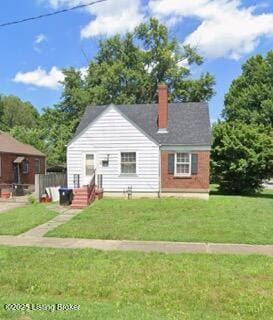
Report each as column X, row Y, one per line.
column 57, row 130
column 242, row 156
column 15, row 112
column 33, row 136
column 250, row 97
column 74, row 97
column 242, row 149
column 127, row 69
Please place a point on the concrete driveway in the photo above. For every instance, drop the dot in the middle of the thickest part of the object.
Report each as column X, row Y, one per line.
column 8, row 204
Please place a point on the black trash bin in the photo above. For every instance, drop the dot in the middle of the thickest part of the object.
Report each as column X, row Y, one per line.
column 18, row 190
column 66, row 196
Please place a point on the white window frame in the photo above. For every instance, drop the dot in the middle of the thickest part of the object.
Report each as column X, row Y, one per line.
column 84, row 162
column 120, row 162
column 189, row 163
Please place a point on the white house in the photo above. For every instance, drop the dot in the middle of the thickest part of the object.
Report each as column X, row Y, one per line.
column 151, row 149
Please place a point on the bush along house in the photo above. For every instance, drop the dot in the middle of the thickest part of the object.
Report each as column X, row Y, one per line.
column 146, row 149
column 19, row 162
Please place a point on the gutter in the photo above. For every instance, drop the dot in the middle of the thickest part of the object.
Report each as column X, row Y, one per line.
column 160, row 186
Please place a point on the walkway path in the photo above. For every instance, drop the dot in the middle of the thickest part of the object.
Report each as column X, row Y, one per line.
column 65, row 214
column 146, row 246
column 35, row 237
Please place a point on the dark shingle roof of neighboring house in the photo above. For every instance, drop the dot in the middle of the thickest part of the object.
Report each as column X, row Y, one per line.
column 188, row 123
column 10, row 145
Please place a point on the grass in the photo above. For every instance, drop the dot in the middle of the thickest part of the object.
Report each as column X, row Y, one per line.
column 229, row 219
column 19, row 220
column 131, row 285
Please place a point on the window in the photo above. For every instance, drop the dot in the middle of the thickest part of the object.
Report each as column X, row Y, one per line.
column 37, row 166
column 183, row 164
column 25, row 167
column 89, row 164
column 128, row 162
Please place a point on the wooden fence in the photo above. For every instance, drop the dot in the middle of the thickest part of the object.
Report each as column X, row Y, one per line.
column 43, row 181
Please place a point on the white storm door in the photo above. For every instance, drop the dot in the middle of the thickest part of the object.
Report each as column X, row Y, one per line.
column 89, row 166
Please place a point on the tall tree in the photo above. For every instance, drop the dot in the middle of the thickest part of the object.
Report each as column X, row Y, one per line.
column 127, row 69
column 33, row 136
column 15, row 112
column 250, row 97
column 242, row 154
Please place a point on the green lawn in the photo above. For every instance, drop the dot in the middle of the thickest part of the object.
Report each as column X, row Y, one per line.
column 131, row 285
column 19, row 220
column 230, row 219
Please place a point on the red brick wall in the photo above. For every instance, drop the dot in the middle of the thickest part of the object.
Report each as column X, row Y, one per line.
column 200, row 181
column 7, row 175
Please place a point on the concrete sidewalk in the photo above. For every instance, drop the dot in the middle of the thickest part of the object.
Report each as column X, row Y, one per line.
column 144, row 246
column 65, row 214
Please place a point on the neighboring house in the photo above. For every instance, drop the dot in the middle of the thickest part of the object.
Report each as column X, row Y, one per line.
column 154, row 149
column 19, row 162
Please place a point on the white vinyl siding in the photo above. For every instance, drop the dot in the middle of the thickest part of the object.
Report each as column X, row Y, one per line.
column 108, row 136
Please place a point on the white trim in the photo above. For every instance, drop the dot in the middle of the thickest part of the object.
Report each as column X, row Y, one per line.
column 184, row 148
column 162, row 130
column 175, row 165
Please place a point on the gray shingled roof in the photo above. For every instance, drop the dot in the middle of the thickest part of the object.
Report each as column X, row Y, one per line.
column 188, row 123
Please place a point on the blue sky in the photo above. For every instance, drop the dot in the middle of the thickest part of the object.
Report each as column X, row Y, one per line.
column 225, row 32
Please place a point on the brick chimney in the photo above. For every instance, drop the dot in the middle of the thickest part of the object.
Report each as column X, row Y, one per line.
column 162, row 109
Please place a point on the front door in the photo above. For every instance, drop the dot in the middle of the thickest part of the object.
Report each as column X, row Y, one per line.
column 16, row 172
column 89, row 167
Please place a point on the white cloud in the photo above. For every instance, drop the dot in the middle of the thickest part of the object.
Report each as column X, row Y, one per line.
column 40, row 38
column 113, row 16
column 41, row 78
column 108, row 18
column 227, row 29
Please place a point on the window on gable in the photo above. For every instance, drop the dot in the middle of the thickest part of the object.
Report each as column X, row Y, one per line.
column 128, row 162
column 37, row 166
column 183, row 164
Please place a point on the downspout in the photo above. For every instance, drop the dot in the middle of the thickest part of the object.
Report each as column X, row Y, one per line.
column 159, row 192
